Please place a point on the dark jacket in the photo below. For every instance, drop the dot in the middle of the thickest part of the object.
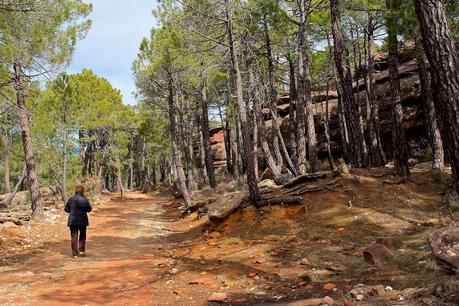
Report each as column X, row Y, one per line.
column 78, row 206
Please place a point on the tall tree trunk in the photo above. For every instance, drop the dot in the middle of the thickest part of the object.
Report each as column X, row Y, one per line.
column 206, row 137
column 153, row 173
column 6, row 157
column 429, row 110
column 377, row 156
column 357, row 65
column 292, row 108
column 131, row 167
column 192, row 185
column 341, row 118
column 400, row 147
column 32, row 180
column 255, row 94
column 119, row 178
column 444, row 62
column 177, row 162
column 162, row 170
column 226, row 136
column 237, row 163
column 64, row 150
column 202, row 154
column 272, row 92
column 285, row 153
column 356, row 153
column 64, row 166
column 255, row 145
column 327, row 131
column 305, row 114
column 241, row 110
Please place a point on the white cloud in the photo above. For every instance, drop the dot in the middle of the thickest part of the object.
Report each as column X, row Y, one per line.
column 112, row 43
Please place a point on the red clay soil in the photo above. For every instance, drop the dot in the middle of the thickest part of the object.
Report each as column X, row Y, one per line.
column 127, row 263
column 142, row 252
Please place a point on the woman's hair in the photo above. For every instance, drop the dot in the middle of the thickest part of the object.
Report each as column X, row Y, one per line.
column 79, row 188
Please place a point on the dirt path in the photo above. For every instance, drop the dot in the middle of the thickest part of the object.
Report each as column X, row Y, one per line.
column 142, row 251
column 126, row 264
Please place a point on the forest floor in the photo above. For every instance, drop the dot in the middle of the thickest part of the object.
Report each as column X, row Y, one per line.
column 142, row 251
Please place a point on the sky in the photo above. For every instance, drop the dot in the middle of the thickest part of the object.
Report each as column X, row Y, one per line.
column 113, row 41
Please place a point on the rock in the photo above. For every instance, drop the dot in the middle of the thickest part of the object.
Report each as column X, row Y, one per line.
column 177, row 291
column 391, row 242
column 260, row 293
column 8, row 224
column 349, row 246
column 452, row 200
column 349, row 303
column 377, row 290
column 218, row 297
column 445, row 247
column 203, row 280
column 328, row 300
column 440, row 290
column 360, row 291
column 174, row 271
column 305, row 262
column 388, row 288
column 329, row 286
column 307, row 302
column 194, row 216
column 268, row 185
column 215, row 235
column 377, row 253
column 317, row 275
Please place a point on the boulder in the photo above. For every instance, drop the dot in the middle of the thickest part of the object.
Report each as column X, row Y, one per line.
column 444, row 243
column 377, row 253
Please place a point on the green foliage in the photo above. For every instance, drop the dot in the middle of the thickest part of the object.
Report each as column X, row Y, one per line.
column 76, row 105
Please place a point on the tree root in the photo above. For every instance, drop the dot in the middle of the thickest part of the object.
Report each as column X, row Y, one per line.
column 309, row 177
column 280, row 200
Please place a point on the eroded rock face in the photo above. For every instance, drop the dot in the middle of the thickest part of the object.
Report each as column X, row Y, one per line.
column 445, row 247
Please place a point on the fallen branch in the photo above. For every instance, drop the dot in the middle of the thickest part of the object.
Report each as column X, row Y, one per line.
column 309, row 177
column 299, row 190
column 329, row 186
column 280, row 200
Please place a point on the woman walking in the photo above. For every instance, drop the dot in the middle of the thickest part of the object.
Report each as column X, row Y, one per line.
column 78, row 208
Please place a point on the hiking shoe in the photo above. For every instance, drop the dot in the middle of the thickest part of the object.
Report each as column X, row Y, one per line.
column 82, row 254
column 75, row 257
